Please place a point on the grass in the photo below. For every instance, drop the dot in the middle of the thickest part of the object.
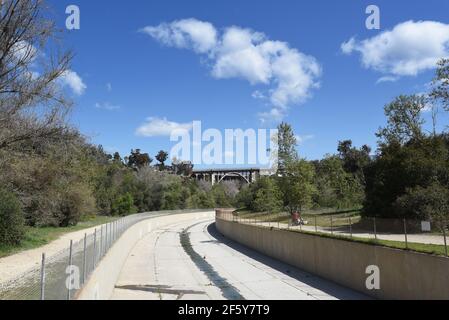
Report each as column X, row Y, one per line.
column 416, row 247
column 38, row 237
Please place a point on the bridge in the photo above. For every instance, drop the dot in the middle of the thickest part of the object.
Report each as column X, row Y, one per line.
column 216, row 176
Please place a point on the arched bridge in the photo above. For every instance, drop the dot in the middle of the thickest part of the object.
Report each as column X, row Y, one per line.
column 215, row 176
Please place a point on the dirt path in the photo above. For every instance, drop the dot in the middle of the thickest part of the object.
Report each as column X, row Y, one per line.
column 17, row 264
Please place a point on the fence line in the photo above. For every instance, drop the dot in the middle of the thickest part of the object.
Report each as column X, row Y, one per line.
column 403, row 233
column 60, row 276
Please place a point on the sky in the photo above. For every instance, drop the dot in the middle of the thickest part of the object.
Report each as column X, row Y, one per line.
column 143, row 68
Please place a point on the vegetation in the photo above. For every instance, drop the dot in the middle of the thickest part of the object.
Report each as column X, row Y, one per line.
column 51, row 176
column 408, row 177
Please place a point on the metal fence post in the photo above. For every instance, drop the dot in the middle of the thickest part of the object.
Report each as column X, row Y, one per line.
column 101, row 242
column 375, row 228
column 350, row 226
column 106, row 239
column 94, row 256
column 445, row 240
column 43, row 277
column 405, row 233
column 332, row 225
column 70, row 264
column 84, row 258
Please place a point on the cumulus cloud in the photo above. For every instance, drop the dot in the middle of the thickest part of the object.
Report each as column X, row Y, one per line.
column 407, row 50
column 188, row 34
column 73, row 81
column 288, row 74
column 157, row 127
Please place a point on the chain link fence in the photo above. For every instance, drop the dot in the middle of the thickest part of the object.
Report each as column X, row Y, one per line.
column 423, row 236
column 60, row 276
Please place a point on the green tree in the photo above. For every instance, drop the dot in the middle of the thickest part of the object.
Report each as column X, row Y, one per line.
column 11, row 219
column 430, row 203
column 124, row 205
column 138, row 160
column 267, row 197
column 440, row 92
column 298, row 183
column 162, row 157
column 337, row 187
column 287, row 144
column 404, row 120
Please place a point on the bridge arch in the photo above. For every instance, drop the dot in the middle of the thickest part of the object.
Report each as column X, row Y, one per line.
column 233, row 174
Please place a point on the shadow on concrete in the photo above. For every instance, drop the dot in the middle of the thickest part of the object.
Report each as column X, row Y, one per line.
column 327, row 286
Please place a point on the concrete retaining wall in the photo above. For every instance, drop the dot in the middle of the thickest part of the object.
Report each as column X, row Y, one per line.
column 101, row 283
column 403, row 274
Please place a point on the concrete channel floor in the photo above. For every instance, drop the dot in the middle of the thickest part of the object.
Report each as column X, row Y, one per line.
column 192, row 261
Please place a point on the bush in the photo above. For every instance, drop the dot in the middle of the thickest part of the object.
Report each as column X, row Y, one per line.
column 11, row 219
column 75, row 202
column 123, row 205
column 425, row 203
column 268, row 197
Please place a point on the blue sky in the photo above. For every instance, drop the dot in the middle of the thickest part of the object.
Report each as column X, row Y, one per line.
column 130, row 76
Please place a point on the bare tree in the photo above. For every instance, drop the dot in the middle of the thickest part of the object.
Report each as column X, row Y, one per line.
column 32, row 103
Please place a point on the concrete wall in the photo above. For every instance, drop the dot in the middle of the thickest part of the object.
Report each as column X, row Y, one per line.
column 403, row 274
column 101, row 283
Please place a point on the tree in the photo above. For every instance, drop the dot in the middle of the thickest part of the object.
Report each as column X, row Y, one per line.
column 337, row 187
column 138, row 160
column 431, row 203
column 268, row 197
column 354, row 160
column 404, row 117
column 124, row 205
column 32, row 104
column 117, row 158
column 298, row 185
column 287, row 144
column 162, row 156
column 398, row 168
column 11, row 219
column 440, row 92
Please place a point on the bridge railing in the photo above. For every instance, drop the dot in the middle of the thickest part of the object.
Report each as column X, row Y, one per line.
column 62, row 275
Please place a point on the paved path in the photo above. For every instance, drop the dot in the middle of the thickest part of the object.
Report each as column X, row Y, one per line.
column 192, row 261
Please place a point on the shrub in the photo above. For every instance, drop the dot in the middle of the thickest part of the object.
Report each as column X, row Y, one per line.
column 11, row 219
column 425, row 203
column 123, row 205
column 76, row 201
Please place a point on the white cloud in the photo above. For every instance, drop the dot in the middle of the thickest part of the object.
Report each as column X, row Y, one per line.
column 188, row 34
column 73, row 80
column 107, row 106
column 156, row 127
column 274, row 115
column 288, row 74
column 407, row 50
